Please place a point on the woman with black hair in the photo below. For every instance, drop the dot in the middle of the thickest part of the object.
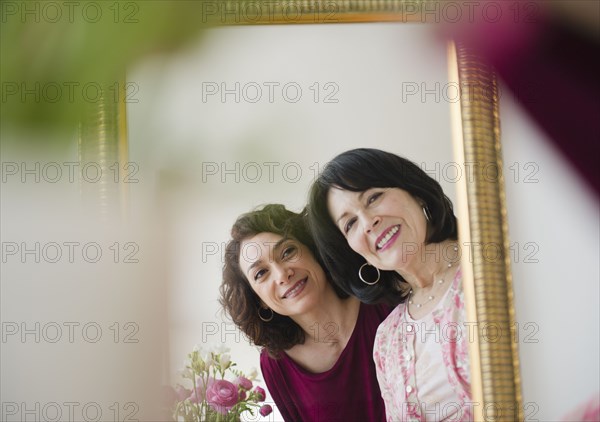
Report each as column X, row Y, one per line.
column 387, row 233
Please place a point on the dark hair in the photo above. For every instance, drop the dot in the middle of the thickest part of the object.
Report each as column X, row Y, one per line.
column 237, row 297
column 358, row 170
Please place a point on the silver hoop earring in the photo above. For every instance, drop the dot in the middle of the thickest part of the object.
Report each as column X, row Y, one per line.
column 263, row 318
column 365, row 281
column 427, row 213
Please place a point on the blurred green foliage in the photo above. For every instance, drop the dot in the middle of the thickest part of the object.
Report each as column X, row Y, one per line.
column 54, row 54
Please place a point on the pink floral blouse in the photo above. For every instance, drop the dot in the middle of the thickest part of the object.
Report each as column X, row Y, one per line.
column 395, row 361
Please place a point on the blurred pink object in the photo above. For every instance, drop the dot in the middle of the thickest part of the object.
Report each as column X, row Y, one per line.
column 551, row 67
column 588, row 412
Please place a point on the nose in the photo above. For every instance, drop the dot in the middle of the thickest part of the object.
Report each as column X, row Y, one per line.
column 371, row 223
column 282, row 274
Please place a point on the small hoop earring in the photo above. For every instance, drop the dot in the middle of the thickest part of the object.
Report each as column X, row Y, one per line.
column 365, row 281
column 262, row 317
column 426, row 212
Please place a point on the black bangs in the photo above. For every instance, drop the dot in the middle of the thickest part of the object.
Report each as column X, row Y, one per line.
column 361, row 169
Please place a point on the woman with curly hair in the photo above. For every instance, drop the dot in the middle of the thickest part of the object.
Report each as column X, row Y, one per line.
column 317, row 342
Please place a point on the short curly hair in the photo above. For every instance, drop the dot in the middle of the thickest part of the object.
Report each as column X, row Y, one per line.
column 237, row 297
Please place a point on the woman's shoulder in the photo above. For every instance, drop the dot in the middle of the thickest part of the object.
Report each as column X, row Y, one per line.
column 392, row 319
column 267, row 357
column 272, row 365
column 386, row 333
column 266, row 360
column 455, row 299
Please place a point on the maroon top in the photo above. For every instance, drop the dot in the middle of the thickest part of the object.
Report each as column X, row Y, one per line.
column 347, row 392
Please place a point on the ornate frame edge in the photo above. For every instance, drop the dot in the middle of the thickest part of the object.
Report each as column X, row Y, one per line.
column 487, row 281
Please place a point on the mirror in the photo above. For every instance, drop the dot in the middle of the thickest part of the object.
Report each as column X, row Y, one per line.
column 221, row 134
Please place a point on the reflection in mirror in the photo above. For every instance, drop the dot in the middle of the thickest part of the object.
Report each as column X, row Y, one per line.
column 373, row 210
column 250, row 116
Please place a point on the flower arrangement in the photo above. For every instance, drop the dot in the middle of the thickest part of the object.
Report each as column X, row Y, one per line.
column 212, row 397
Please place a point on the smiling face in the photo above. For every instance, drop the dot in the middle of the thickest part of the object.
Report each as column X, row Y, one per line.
column 386, row 226
column 283, row 273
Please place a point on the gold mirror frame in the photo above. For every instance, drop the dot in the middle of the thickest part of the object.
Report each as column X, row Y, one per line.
column 481, row 208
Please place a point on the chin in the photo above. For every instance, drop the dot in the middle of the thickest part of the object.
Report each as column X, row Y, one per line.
column 393, row 264
column 397, row 266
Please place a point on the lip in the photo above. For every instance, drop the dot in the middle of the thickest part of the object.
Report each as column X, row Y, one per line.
column 301, row 283
column 391, row 239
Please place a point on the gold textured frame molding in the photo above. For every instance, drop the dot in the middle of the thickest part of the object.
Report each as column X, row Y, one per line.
column 481, row 203
column 495, row 374
column 102, row 140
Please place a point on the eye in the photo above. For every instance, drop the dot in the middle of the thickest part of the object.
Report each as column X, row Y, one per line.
column 349, row 224
column 289, row 252
column 259, row 274
column 372, row 198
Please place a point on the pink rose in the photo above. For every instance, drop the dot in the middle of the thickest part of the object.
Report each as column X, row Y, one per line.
column 260, row 394
column 222, row 395
column 265, row 410
column 243, row 383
